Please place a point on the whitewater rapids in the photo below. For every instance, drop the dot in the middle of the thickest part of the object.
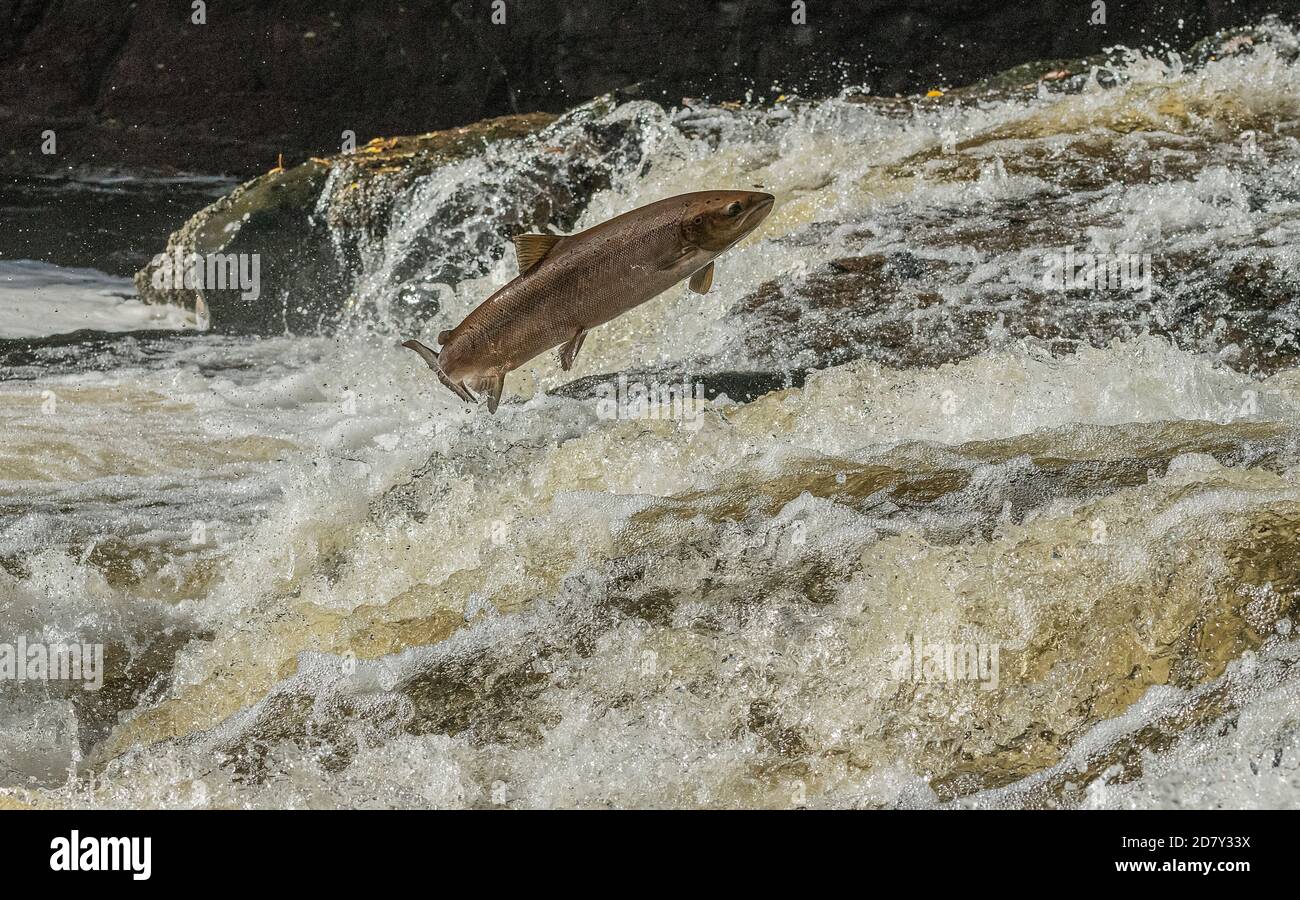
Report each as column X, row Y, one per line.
column 322, row 581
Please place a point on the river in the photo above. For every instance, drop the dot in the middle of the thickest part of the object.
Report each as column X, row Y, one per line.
column 980, row 538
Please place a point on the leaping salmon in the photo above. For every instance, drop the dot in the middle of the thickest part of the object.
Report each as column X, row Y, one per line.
column 569, row 284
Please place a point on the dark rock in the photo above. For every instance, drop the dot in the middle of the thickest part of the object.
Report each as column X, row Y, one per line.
column 85, row 351
column 134, row 83
column 270, row 219
column 890, row 310
column 319, row 227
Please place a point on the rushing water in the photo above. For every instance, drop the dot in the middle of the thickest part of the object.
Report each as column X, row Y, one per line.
column 320, row 580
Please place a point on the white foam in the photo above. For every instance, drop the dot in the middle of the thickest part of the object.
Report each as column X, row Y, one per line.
column 40, row 299
column 645, row 648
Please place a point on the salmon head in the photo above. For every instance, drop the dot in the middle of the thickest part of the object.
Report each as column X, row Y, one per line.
column 714, row 220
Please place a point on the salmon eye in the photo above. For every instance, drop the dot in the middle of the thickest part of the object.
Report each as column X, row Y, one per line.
column 734, row 209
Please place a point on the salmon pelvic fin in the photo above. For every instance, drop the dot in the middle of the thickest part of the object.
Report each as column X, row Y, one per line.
column 432, row 359
column 569, row 352
column 491, row 385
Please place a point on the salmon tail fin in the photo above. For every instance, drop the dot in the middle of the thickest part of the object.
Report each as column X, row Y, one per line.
column 432, row 359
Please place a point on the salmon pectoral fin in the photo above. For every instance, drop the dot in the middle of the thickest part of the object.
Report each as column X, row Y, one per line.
column 667, row 262
column 569, row 352
column 702, row 280
column 431, row 359
column 530, row 249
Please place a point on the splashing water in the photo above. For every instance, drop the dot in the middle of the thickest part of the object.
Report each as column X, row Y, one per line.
column 979, row 541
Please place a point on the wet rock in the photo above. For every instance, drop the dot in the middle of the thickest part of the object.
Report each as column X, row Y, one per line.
column 1245, row 310
column 1243, row 40
column 316, row 230
column 852, row 307
column 135, row 83
column 910, row 309
column 268, row 219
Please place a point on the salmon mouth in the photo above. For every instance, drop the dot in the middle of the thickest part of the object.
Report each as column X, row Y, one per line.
column 758, row 212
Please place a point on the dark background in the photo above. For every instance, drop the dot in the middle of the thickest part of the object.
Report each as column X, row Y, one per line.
column 137, row 85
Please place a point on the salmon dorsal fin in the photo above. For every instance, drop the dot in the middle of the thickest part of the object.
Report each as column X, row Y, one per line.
column 532, row 248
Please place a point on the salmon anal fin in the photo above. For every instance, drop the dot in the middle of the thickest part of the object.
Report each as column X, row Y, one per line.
column 569, row 352
column 702, row 280
column 530, row 249
column 432, row 359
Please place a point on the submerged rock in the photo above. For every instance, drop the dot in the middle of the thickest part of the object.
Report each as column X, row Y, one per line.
column 766, row 621
column 891, row 309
